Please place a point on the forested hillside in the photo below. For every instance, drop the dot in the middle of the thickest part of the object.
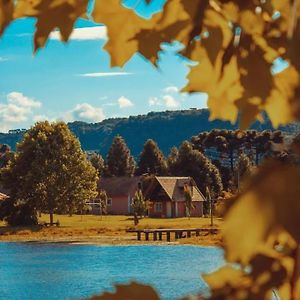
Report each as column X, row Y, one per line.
column 166, row 128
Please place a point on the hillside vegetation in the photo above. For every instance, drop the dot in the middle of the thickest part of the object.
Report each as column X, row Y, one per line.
column 159, row 126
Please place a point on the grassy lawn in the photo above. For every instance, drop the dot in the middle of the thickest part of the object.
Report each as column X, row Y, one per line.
column 89, row 227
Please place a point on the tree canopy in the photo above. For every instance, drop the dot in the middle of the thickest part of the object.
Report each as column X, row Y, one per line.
column 193, row 163
column 49, row 173
column 119, row 160
column 151, row 160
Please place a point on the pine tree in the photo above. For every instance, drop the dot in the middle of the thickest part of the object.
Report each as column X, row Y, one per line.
column 49, row 173
column 152, row 160
column 97, row 162
column 193, row 163
column 172, row 160
column 139, row 206
column 242, row 169
column 119, row 160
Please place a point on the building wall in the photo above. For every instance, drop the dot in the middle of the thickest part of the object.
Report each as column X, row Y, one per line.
column 153, row 213
column 198, row 210
column 119, row 205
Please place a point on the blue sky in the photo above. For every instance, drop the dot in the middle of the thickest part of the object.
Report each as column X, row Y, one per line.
column 75, row 82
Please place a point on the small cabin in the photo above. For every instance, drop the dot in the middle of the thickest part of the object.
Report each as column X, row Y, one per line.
column 168, row 198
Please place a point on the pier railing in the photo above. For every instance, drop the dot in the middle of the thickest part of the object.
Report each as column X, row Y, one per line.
column 157, row 234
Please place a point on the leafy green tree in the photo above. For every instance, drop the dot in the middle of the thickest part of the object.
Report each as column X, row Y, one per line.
column 119, row 160
column 102, row 196
column 139, row 206
column 193, row 163
column 151, row 160
column 188, row 201
column 5, row 155
column 97, row 162
column 49, row 173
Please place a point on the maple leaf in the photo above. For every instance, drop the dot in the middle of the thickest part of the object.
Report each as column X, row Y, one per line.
column 6, row 13
column 281, row 103
column 123, row 25
column 267, row 204
column 50, row 15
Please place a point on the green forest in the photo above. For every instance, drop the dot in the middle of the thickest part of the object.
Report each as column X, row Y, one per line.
column 159, row 126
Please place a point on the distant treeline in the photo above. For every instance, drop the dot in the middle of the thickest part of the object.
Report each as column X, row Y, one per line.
column 167, row 128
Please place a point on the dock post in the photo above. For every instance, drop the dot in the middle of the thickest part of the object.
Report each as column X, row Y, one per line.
column 197, row 232
column 160, row 236
column 188, row 233
column 147, row 236
column 168, row 236
column 154, row 236
column 138, row 235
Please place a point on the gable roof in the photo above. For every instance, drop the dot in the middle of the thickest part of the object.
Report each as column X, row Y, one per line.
column 119, row 186
column 173, row 187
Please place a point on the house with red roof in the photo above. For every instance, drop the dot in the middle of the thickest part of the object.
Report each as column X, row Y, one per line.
column 166, row 195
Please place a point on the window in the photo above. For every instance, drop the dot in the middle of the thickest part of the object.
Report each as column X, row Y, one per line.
column 158, row 207
column 109, row 202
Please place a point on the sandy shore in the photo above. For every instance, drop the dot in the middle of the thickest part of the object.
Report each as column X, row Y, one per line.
column 103, row 239
column 108, row 230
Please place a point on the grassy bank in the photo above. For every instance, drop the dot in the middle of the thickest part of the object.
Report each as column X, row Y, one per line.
column 105, row 230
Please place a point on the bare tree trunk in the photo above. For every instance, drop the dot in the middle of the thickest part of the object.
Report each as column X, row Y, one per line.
column 51, row 217
column 136, row 219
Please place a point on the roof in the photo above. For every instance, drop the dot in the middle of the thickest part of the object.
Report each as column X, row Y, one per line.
column 173, row 187
column 119, row 186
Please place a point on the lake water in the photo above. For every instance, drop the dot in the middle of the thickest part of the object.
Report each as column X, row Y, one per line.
column 61, row 271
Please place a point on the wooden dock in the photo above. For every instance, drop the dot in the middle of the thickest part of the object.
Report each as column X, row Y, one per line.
column 157, row 234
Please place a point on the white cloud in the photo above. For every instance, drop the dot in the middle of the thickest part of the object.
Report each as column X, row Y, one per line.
column 23, row 101
column 84, row 112
column 110, row 104
column 154, row 101
column 85, row 33
column 17, row 109
column 171, row 89
column 170, row 101
column 167, row 100
column 124, row 102
column 105, row 74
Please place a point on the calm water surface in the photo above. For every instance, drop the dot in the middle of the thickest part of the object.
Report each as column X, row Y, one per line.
column 51, row 271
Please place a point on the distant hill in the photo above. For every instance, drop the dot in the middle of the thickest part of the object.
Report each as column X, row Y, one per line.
column 167, row 128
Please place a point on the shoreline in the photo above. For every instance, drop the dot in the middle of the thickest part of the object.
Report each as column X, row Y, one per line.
column 108, row 240
column 109, row 230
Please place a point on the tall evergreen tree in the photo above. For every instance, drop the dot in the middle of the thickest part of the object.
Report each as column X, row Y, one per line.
column 172, row 159
column 119, row 160
column 193, row 163
column 98, row 163
column 152, row 160
column 49, row 173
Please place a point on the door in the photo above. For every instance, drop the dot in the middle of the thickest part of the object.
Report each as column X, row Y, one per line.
column 169, row 209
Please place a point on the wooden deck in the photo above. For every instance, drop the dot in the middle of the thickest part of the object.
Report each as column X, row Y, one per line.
column 157, row 234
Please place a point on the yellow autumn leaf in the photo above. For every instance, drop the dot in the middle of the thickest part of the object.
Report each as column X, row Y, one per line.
column 51, row 15
column 222, row 100
column 270, row 201
column 251, row 23
column 223, row 89
column 123, row 25
column 278, row 104
column 6, row 13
